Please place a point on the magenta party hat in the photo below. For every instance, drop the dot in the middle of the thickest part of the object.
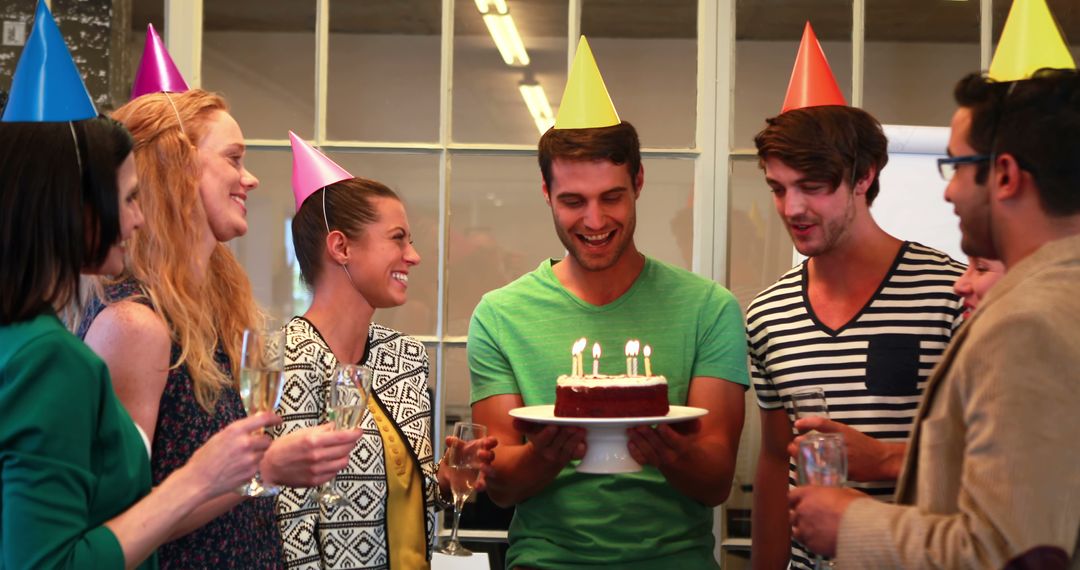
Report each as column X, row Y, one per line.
column 47, row 86
column 157, row 73
column 311, row 170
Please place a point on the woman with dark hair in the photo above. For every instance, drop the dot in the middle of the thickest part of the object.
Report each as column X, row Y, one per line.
column 75, row 489
column 354, row 247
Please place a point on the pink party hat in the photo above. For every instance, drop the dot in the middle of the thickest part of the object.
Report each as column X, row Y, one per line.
column 157, row 73
column 311, row 170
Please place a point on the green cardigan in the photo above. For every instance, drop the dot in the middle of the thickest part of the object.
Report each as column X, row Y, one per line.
column 70, row 456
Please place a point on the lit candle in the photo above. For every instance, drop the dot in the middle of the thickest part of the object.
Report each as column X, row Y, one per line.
column 579, row 366
column 634, row 350
column 629, row 348
column 647, row 352
column 596, row 359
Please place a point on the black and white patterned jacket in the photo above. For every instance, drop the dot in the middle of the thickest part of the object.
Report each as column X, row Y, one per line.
column 354, row 536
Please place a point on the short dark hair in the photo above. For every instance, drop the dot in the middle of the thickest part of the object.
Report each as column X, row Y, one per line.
column 617, row 143
column 55, row 219
column 350, row 209
column 829, row 143
column 1037, row 121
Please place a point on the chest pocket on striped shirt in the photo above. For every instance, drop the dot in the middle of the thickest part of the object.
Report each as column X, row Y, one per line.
column 892, row 365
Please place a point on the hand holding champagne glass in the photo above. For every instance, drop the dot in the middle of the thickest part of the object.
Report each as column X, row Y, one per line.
column 822, row 460
column 809, row 402
column 346, row 401
column 464, row 465
column 262, row 363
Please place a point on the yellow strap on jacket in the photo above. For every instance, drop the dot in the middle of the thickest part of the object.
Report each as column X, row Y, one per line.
column 405, row 502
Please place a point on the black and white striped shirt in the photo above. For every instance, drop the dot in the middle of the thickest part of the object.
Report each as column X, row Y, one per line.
column 874, row 368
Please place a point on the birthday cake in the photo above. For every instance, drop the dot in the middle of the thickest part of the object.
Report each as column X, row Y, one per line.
column 602, row 396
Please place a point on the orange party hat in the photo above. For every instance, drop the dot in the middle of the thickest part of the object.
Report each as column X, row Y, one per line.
column 812, row 81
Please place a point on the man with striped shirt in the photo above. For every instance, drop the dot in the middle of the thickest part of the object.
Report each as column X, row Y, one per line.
column 864, row 318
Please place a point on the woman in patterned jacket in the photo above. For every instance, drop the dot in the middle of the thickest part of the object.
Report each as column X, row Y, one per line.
column 354, row 247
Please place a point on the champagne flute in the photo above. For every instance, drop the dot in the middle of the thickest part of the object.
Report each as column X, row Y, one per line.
column 822, row 460
column 809, row 402
column 464, row 471
column 262, row 363
column 347, row 398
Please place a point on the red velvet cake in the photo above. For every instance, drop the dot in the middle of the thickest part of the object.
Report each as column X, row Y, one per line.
column 611, row 396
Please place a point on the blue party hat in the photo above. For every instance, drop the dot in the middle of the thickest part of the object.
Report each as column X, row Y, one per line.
column 47, row 86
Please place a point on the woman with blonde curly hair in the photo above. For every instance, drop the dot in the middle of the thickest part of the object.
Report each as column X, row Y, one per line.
column 170, row 327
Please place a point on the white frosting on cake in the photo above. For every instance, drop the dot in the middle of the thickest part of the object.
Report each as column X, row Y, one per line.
column 605, row 381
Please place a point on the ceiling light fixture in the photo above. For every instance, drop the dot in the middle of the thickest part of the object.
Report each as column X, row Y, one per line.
column 537, row 102
column 503, row 31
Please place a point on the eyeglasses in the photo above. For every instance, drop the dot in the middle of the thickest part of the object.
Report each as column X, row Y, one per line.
column 947, row 166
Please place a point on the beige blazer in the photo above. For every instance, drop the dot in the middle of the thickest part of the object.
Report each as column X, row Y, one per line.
column 993, row 466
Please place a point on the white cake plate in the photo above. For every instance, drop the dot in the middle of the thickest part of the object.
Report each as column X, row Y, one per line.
column 606, row 438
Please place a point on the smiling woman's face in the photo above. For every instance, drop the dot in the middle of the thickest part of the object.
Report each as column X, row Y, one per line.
column 976, row 282
column 224, row 182
column 131, row 216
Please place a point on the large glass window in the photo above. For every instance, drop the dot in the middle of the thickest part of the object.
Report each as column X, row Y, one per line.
column 767, row 41
column 381, row 55
column 497, row 53
column 900, row 88
column 649, row 60
column 261, row 56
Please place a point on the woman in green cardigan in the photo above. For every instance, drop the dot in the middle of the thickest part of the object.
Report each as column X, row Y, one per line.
column 74, row 469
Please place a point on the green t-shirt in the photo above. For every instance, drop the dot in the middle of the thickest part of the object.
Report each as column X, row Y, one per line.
column 519, row 342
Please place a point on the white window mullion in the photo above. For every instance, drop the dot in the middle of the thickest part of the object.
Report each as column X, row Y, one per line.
column 322, row 73
column 446, row 81
column 184, row 37
column 716, row 33
column 858, row 50
column 573, row 31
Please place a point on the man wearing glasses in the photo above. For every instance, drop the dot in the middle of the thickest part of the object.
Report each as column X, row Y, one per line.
column 991, row 479
column 864, row 318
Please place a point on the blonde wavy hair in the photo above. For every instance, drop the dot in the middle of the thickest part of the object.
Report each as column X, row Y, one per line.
column 201, row 313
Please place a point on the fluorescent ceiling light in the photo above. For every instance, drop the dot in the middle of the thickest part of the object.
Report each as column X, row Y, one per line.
column 537, row 102
column 485, row 5
column 502, row 29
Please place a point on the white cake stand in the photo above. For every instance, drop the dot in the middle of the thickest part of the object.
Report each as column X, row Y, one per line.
column 606, row 438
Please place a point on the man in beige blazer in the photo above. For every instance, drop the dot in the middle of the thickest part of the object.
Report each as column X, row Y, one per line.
column 992, row 474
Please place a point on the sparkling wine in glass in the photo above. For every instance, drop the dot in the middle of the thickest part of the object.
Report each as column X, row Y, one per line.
column 809, row 402
column 464, row 471
column 822, row 460
column 345, row 405
column 262, row 363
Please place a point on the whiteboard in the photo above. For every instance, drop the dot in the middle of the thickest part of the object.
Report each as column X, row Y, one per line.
column 911, row 205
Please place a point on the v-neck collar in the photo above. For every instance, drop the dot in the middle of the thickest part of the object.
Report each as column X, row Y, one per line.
column 805, row 276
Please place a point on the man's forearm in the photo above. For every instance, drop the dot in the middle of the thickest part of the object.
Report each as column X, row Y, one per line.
column 770, row 531
column 520, row 473
column 704, row 473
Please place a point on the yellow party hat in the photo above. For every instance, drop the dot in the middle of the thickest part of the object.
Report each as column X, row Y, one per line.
column 585, row 102
column 1030, row 40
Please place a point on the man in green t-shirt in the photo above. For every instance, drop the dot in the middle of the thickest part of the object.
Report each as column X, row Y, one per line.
column 607, row 291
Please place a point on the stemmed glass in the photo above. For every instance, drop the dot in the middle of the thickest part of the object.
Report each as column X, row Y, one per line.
column 822, row 460
column 262, row 363
column 345, row 404
column 809, row 402
column 464, row 471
